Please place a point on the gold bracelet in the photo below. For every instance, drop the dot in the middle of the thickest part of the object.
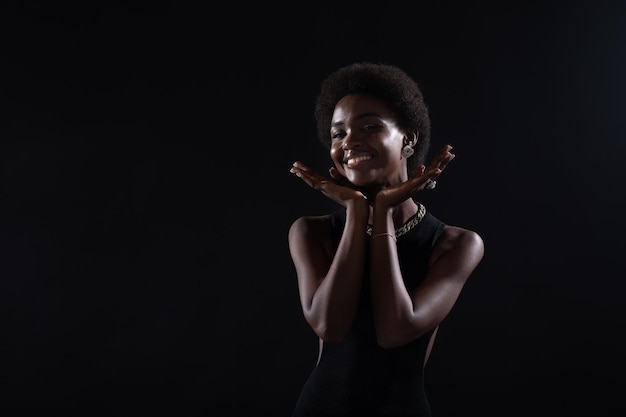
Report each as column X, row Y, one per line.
column 385, row 234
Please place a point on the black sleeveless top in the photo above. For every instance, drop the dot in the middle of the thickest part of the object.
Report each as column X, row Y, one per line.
column 358, row 378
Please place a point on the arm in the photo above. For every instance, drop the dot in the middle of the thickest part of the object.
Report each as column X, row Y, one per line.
column 330, row 283
column 400, row 316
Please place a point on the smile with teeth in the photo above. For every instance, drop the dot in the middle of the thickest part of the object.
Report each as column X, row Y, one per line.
column 357, row 159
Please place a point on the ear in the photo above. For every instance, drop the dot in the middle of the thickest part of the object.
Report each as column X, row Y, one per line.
column 411, row 137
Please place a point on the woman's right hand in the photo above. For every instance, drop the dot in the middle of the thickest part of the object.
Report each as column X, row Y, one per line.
column 337, row 188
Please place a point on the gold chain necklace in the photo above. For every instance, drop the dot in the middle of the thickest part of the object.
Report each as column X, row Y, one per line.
column 411, row 223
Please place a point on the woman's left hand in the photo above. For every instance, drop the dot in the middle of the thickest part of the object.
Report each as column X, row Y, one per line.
column 392, row 196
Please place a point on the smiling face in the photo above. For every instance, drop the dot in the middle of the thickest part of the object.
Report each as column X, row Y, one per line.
column 367, row 142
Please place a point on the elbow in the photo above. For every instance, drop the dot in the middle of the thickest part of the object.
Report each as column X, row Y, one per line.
column 332, row 338
column 389, row 338
column 327, row 331
column 390, row 343
column 330, row 334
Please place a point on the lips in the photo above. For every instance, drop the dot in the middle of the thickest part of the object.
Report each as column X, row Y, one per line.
column 353, row 160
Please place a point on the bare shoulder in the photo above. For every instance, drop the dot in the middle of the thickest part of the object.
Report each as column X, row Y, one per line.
column 310, row 228
column 454, row 235
column 311, row 237
column 465, row 242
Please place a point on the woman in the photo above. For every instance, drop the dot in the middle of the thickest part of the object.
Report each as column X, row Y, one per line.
column 377, row 276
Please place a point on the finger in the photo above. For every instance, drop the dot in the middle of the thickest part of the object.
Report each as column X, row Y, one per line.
column 419, row 171
column 338, row 177
column 439, row 158
column 312, row 178
column 443, row 158
column 303, row 167
column 305, row 172
column 435, row 173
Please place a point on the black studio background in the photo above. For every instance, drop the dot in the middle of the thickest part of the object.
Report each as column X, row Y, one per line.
column 146, row 197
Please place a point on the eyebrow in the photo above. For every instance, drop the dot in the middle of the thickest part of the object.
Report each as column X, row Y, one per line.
column 360, row 116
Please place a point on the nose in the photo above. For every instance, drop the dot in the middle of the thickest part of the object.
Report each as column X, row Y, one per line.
column 351, row 140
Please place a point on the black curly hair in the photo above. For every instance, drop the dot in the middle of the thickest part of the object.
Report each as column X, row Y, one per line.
column 386, row 82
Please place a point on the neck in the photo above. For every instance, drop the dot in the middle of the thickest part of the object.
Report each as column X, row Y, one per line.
column 403, row 212
column 400, row 213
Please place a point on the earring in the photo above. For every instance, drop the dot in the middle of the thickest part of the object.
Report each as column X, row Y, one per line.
column 407, row 151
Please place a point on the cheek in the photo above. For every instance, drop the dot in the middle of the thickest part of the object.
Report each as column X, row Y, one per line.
column 336, row 154
column 394, row 144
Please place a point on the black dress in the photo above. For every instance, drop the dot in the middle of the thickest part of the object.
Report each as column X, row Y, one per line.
column 358, row 378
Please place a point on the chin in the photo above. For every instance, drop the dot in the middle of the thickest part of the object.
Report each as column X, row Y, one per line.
column 359, row 181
